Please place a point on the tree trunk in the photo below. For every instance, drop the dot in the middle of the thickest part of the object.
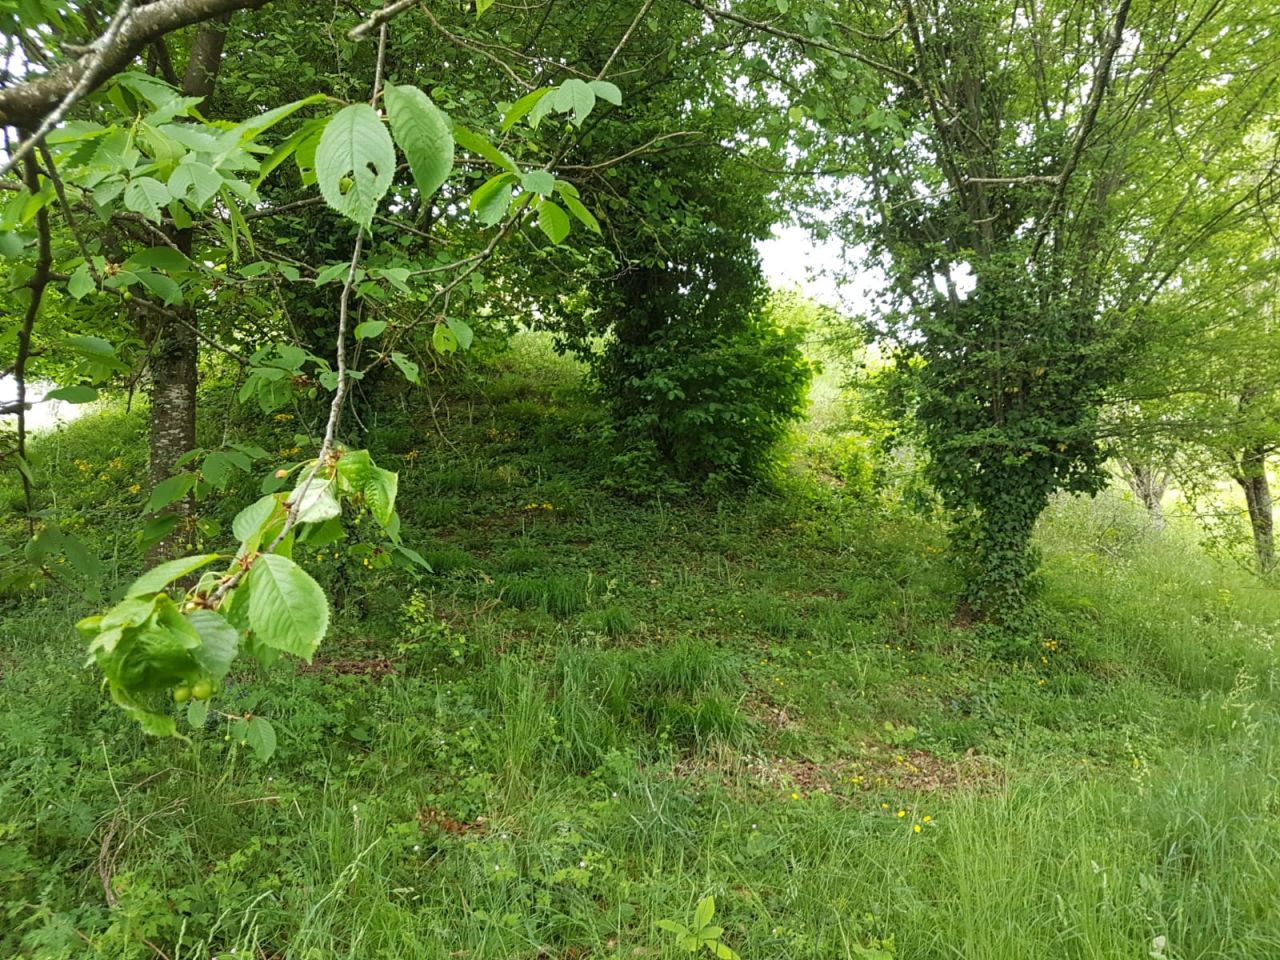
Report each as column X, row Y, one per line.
column 1252, row 478
column 1148, row 483
column 173, row 364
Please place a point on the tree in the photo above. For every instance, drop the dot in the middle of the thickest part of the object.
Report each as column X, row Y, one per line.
column 1204, row 399
column 1046, row 170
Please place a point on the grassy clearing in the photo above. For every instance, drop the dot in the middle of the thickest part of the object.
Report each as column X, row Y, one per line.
column 597, row 712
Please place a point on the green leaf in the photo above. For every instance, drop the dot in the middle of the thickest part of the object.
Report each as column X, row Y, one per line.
column 422, row 131
column 370, row 328
column 254, row 519
column 575, row 96
column 287, row 609
column 157, row 578
column 470, row 140
column 261, row 737
column 307, row 133
column 355, row 162
column 671, row 926
column 584, row 215
column 407, row 367
column 219, row 642
column 462, row 331
column 357, row 474
column 219, row 466
column 146, row 195
column 91, row 346
column 606, row 91
column 195, row 183
column 322, row 534
column 156, row 529
column 413, row 556
column 332, row 272
column 197, row 713
column 170, row 490
column 444, row 339
column 491, row 199
column 163, row 287
column 521, row 107
column 482, row 6
column 81, row 282
column 538, row 181
column 553, row 221
column 317, row 503
column 73, row 394
column 11, row 245
column 155, row 724
column 158, row 258
column 703, row 913
column 242, row 133
column 78, row 555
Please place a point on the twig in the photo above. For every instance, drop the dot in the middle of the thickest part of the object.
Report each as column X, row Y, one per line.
column 643, row 148
column 51, row 171
column 468, row 45
column 626, row 37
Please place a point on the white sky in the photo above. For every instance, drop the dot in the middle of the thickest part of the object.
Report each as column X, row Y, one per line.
column 41, row 415
column 794, row 259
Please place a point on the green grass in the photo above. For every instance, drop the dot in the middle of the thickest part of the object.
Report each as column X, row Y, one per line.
column 591, row 716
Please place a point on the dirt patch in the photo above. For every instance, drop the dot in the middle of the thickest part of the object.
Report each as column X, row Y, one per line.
column 374, row 667
column 432, row 820
column 876, row 768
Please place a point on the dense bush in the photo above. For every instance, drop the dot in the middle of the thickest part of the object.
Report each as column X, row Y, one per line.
column 713, row 410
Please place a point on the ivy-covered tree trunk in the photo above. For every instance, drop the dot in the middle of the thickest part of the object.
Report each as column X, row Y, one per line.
column 174, row 375
column 1252, row 477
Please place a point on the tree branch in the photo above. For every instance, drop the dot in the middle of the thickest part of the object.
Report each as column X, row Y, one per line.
column 39, row 280
column 31, row 103
column 1101, row 80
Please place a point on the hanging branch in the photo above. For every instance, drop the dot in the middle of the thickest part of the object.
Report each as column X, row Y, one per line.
column 340, row 391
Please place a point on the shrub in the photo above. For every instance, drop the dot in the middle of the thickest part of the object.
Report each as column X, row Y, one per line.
column 713, row 409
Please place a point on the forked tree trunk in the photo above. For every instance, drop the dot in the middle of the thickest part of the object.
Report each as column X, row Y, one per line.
column 173, row 363
column 1252, row 477
column 1148, row 483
